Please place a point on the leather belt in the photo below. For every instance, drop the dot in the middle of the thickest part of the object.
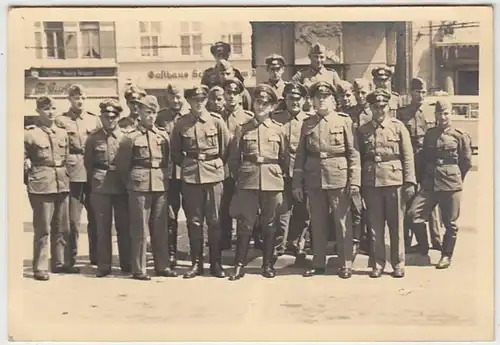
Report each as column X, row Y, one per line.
column 149, row 164
column 260, row 159
column 384, row 158
column 101, row 166
column 447, row 160
column 201, row 156
column 76, row 151
column 59, row 163
column 325, row 155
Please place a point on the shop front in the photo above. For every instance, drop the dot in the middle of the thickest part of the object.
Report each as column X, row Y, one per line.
column 154, row 77
column 99, row 84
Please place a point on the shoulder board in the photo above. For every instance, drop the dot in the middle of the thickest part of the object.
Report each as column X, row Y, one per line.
column 217, row 116
column 59, row 121
column 162, row 110
column 343, row 114
column 248, row 112
column 30, row 127
column 460, row 131
column 395, row 120
column 331, row 69
column 309, row 118
column 88, row 112
column 395, row 93
column 95, row 130
column 128, row 130
column 276, row 123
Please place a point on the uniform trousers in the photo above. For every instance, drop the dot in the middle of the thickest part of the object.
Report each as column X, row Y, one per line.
column 105, row 206
column 147, row 208
column 174, row 205
column 226, row 221
column 79, row 197
column 386, row 205
column 330, row 206
column 50, row 217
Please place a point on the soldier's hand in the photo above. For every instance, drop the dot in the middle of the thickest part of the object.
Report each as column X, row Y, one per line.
column 354, row 190
column 298, row 194
column 27, row 164
column 409, row 191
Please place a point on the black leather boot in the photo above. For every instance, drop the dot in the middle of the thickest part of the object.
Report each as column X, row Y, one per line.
column 268, row 260
column 420, row 231
column 196, row 259
column 172, row 244
column 449, row 242
column 242, row 244
column 216, row 269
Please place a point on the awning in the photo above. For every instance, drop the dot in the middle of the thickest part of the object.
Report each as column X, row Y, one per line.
column 457, row 44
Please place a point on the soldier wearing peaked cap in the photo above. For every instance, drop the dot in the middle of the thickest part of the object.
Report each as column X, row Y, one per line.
column 79, row 124
column 258, row 162
column 316, row 71
column 446, row 160
column 388, row 181
column 415, row 117
column 226, row 71
column 108, row 192
column 143, row 166
column 276, row 67
column 211, row 76
column 45, row 153
column 293, row 224
column 200, row 142
column 234, row 115
column 132, row 93
column 382, row 80
column 327, row 169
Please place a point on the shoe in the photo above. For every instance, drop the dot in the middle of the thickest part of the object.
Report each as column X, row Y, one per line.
column 376, row 273
column 102, row 273
column 238, row 273
column 217, row 271
column 314, row 272
column 444, row 263
column 126, row 269
column 167, row 272
column 41, row 276
column 345, row 273
column 140, row 276
column 67, row 269
column 195, row 270
column 268, row 272
column 398, row 273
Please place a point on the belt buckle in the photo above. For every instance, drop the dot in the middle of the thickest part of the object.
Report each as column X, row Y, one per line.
column 58, row 162
column 112, row 167
column 322, row 155
column 155, row 164
column 260, row 159
column 440, row 161
column 202, row 156
column 377, row 159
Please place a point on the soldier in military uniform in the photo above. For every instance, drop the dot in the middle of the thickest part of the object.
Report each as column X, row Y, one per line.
column 276, row 67
column 45, row 152
column 361, row 113
column 258, row 161
column 226, row 71
column 294, row 222
column 234, row 115
column 142, row 164
column 200, row 142
column 446, row 160
column 382, row 80
column 79, row 123
column 128, row 123
column 216, row 100
column 109, row 195
column 166, row 120
column 316, row 72
column 415, row 117
column 388, row 181
column 211, row 76
column 327, row 169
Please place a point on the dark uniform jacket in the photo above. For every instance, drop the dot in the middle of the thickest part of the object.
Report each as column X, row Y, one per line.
column 359, row 114
column 45, row 154
column 446, row 157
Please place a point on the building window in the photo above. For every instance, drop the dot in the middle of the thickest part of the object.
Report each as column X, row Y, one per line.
column 54, row 35
column 467, row 83
column 235, row 41
column 90, row 40
column 191, row 38
column 150, row 38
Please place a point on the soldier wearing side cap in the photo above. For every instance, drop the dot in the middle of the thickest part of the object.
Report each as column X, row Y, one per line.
column 216, row 102
column 109, row 195
column 47, row 182
column 79, row 124
column 293, row 224
column 316, row 72
column 446, row 160
column 129, row 122
column 226, row 71
column 275, row 65
column 166, row 120
column 388, row 181
column 211, row 76
column 382, row 80
column 327, row 169
column 200, row 142
column 415, row 117
column 234, row 115
column 143, row 166
column 258, row 161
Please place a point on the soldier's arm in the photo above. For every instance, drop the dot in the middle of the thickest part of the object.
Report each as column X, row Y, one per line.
column 123, row 158
column 425, row 155
column 27, row 160
column 352, row 150
column 176, row 144
column 204, row 78
column 87, row 156
column 336, row 78
column 283, row 154
column 224, row 140
column 406, row 151
column 234, row 159
column 465, row 155
column 300, row 160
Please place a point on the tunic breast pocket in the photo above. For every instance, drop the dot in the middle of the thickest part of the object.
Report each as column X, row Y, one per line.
column 100, row 151
column 189, row 139
column 250, row 143
column 394, row 142
column 211, row 137
column 449, row 144
column 336, row 136
column 74, row 139
column 42, row 150
column 274, row 143
column 369, row 142
column 312, row 141
column 141, row 148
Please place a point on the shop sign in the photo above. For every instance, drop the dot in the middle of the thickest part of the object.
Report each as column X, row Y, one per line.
column 75, row 72
column 168, row 74
column 51, row 88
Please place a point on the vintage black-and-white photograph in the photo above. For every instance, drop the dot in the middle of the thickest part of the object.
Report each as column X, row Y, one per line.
column 229, row 171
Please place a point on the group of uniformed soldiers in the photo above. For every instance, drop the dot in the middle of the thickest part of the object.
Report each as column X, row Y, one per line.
column 315, row 156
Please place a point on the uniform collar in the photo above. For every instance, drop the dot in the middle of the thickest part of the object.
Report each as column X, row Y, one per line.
column 300, row 115
column 141, row 128
column 385, row 122
column 276, row 84
column 51, row 129
column 114, row 133
column 322, row 70
column 266, row 122
column 74, row 115
column 203, row 117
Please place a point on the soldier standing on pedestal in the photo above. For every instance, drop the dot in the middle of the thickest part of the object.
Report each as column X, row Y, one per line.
column 382, row 80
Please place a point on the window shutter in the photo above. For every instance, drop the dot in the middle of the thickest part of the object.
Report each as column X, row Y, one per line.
column 38, row 45
column 107, row 38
